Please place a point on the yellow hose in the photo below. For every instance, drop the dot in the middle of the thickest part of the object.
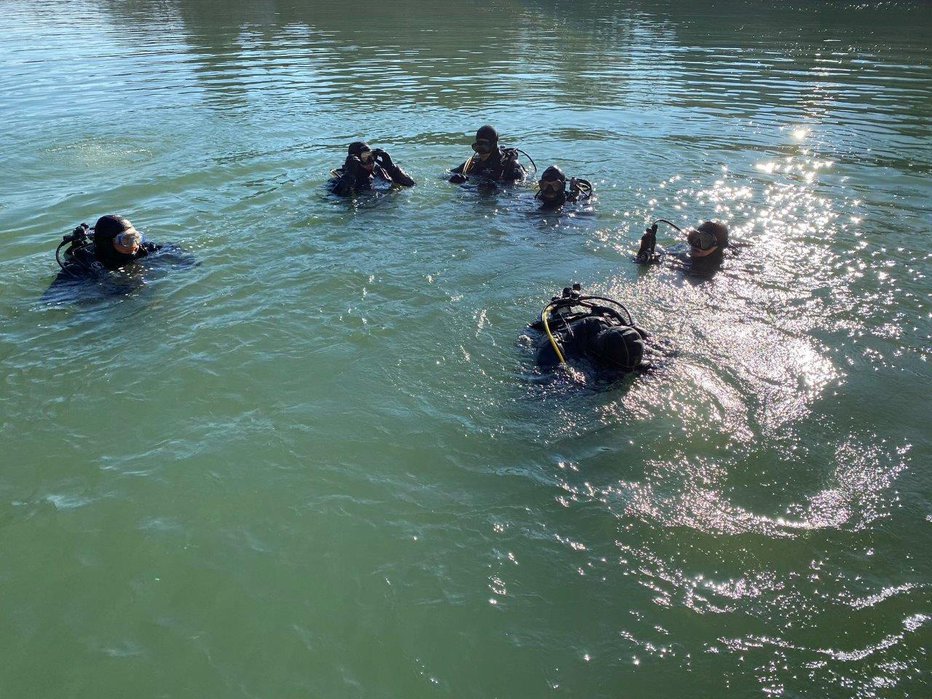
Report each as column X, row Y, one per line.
column 467, row 166
column 553, row 340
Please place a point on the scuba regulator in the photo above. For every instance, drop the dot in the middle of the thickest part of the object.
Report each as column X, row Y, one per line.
column 558, row 316
column 580, row 188
column 77, row 239
column 648, row 253
column 566, row 308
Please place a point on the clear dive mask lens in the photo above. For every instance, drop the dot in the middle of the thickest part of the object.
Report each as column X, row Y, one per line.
column 551, row 186
column 703, row 240
column 366, row 157
column 129, row 239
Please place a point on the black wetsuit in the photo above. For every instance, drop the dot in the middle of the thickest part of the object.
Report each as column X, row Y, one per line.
column 501, row 166
column 355, row 177
column 88, row 262
column 570, row 197
column 111, row 258
column 601, row 339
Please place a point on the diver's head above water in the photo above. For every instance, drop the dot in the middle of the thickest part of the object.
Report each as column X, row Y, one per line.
column 115, row 233
column 486, row 142
column 552, row 185
column 361, row 150
column 707, row 239
column 110, row 226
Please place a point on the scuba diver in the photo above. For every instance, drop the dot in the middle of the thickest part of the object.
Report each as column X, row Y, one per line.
column 552, row 191
column 96, row 253
column 593, row 329
column 490, row 162
column 363, row 166
column 115, row 243
column 706, row 241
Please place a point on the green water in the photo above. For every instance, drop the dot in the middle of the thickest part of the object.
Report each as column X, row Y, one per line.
column 321, row 464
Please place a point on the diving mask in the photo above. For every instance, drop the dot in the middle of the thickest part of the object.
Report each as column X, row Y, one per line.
column 129, row 239
column 703, row 240
column 482, row 146
column 551, row 186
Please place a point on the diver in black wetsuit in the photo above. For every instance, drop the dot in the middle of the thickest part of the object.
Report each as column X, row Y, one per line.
column 491, row 162
column 593, row 329
column 363, row 165
column 115, row 243
column 553, row 193
column 105, row 256
column 705, row 242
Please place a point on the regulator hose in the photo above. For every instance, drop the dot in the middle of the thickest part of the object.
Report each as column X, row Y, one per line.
column 529, row 158
column 58, row 257
column 588, row 302
column 669, row 223
column 78, row 238
column 553, row 341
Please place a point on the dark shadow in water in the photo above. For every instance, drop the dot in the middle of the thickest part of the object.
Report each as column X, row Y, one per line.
column 67, row 290
column 380, row 195
column 695, row 269
column 488, row 195
column 562, row 218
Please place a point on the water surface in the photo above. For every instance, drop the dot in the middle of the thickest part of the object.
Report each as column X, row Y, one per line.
column 320, row 463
